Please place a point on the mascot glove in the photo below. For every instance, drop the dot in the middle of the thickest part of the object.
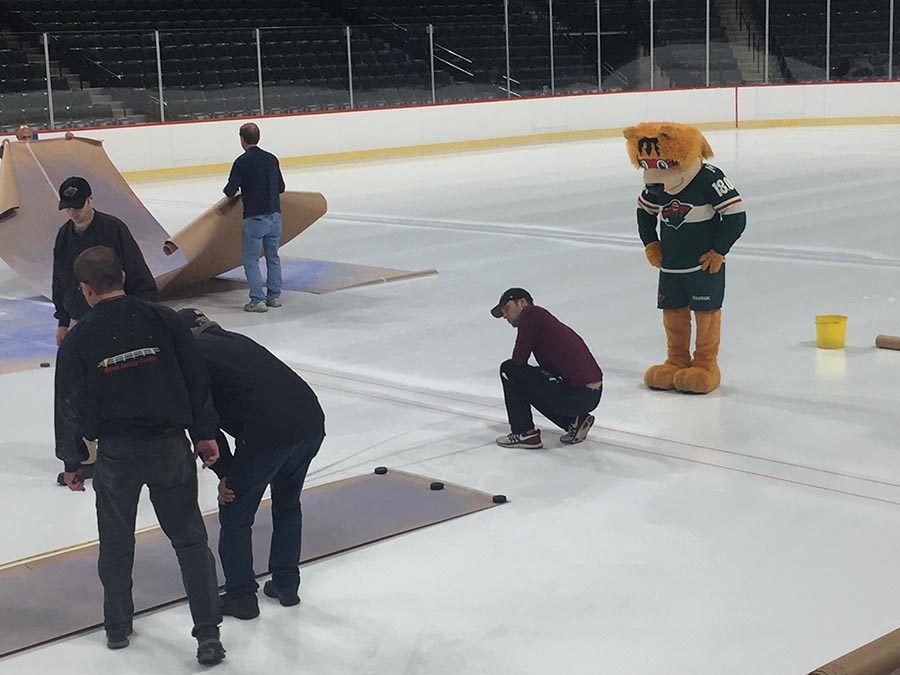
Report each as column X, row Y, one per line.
column 711, row 261
column 653, row 253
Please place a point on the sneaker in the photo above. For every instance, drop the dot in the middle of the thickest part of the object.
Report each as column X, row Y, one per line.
column 258, row 307
column 273, row 302
column 209, row 647
column 286, row 599
column 117, row 638
column 578, row 430
column 243, row 607
column 529, row 439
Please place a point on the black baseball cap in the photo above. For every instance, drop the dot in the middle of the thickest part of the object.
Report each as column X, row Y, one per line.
column 510, row 294
column 73, row 193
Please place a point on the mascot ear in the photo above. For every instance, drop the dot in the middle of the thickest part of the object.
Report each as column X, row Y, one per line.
column 667, row 130
column 631, row 134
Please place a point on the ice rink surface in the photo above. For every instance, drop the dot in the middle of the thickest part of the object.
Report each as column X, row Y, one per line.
column 752, row 530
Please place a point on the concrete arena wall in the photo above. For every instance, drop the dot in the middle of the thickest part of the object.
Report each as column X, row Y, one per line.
column 166, row 150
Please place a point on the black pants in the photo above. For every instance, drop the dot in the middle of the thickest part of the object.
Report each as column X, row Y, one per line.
column 527, row 386
column 167, row 467
column 249, row 476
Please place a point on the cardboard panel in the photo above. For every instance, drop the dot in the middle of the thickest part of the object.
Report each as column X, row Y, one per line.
column 30, row 175
column 879, row 657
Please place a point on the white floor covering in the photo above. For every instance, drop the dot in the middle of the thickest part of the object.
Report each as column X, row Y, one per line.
column 752, row 530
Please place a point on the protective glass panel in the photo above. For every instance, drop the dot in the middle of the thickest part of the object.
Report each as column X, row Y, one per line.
column 574, row 47
column 470, row 59
column 305, row 69
column 23, row 83
column 798, row 36
column 638, row 69
column 679, row 44
column 112, row 78
column 860, row 39
column 529, row 51
column 209, row 74
column 624, row 44
column 390, row 65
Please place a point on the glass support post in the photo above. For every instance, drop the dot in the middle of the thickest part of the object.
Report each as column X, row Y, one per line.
column 349, row 64
column 431, row 55
column 262, row 109
column 552, row 59
column 506, row 33
column 652, row 64
column 49, row 82
column 159, row 81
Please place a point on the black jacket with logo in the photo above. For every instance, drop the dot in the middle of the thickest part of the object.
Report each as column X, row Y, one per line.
column 104, row 230
column 129, row 368
column 260, row 400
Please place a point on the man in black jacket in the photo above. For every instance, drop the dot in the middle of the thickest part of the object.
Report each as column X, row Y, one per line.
column 84, row 229
column 131, row 376
column 279, row 427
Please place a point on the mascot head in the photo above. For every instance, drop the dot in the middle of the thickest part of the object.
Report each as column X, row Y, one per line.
column 669, row 153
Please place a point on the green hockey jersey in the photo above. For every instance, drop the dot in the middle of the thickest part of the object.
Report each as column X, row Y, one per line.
column 707, row 214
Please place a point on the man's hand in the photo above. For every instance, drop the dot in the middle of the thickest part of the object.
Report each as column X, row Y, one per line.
column 208, row 451
column 711, row 261
column 60, row 334
column 653, row 253
column 226, row 495
column 75, row 480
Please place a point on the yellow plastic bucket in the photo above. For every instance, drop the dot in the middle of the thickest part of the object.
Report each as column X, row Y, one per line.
column 831, row 329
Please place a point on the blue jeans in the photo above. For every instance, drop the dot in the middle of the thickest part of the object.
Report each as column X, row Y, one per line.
column 249, row 475
column 262, row 232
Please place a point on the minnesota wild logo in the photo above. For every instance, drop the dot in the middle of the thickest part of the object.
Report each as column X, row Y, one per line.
column 673, row 213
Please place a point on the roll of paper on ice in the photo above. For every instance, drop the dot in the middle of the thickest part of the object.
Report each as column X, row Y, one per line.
column 888, row 342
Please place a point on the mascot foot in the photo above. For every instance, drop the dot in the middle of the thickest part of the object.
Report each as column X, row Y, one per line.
column 697, row 380
column 661, row 376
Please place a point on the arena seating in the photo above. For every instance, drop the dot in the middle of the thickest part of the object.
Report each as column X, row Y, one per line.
column 209, row 64
column 470, row 37
column 680, row 44
column 103, row 53
column 860, row 40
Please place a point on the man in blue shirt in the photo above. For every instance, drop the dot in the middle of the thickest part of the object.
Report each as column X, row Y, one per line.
column 257, row 175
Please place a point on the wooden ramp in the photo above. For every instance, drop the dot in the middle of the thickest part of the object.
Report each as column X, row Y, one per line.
column 30, row 175
column 58, row 595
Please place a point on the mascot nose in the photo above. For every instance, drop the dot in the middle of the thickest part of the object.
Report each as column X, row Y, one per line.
column 655, row 188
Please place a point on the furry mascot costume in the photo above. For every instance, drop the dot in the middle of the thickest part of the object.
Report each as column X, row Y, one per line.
column 700, row 216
